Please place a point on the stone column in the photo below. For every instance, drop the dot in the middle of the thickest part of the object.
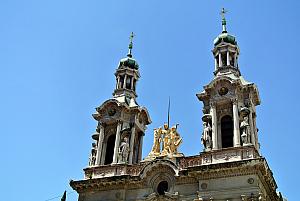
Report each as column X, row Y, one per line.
column 213, row 113
column 251, row 128
column 235, row 60
column 236, row 124
column 220, row 59
column 117, row 142
column 216, row 63
column 132, row 78
column 228, row 60
column 103, row 153
column 255, row 131
column 118, row 82
column 124, row 83
column 132, row 137
column 140, row 147
column 99, row 146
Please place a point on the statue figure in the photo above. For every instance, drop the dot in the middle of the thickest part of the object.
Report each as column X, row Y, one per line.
column 166, row 139
column 92, row 158
column 175, row 140
column 156, row 142
column 245, row 130
column 206, row 135
column 170, row 140
column 124, row 151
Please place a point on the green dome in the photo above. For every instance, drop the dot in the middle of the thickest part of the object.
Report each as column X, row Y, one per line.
column 225, row 37
column 128, row 62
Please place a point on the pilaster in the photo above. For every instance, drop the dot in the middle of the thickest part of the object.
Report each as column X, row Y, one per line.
column 236, row 124
column 140, row 147
column 213, row 113
column 117, row 142
column 228, row 59
column 132, row 138
column 100, row 144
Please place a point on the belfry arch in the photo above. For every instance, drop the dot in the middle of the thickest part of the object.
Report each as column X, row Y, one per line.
column 227, row 131
column 109, row 152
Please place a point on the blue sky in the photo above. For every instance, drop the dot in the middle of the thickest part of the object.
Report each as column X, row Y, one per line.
column 57, row 63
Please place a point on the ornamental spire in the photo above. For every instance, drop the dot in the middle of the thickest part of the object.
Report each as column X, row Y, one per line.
column 130, row 45
column 223, row 12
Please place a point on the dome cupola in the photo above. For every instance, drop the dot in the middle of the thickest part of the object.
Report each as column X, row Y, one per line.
column 129, row 62
column 127, row 75
column 226, row 51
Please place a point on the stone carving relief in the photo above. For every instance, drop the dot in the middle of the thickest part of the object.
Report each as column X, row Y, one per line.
column 166, row 197
column 204, row 186
column 224, row 109
column 250, row 180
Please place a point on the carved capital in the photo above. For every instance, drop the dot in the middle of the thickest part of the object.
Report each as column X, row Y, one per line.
column 212, row 104
column 234, row 101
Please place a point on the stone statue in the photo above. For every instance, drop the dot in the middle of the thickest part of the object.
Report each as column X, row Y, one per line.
column 92, row 159
column 206, row 135
column 124, row 151
column 245, row 130
column 155, row 151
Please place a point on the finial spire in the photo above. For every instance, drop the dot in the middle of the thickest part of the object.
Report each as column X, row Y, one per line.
column 223, row 12
column 130, row 45
column 169, row 112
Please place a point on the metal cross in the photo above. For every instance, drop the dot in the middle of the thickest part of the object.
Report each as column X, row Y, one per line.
column 223, row 12
column 131, row 37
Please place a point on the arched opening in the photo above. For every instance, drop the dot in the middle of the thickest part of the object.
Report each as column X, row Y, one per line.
column 121, row 82
column 110, row 145
column 224, row 59
column 162, row 187
column 227, row 131
column 128, row 82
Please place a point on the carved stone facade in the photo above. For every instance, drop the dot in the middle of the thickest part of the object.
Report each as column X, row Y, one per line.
column 230, row 167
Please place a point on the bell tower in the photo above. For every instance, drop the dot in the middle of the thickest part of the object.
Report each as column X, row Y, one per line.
column 229, row 114
column 121, row 121
column 229, row 168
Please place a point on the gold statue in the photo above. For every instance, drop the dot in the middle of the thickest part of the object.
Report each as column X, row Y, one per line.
column 166, row 140
column 175, row 140
column 170, row 140
column 155, row 151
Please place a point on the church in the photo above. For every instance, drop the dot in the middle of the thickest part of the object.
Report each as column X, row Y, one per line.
column 230, row 167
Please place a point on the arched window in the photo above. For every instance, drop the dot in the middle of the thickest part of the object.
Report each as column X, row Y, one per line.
column 110, row 145
column 227, row 131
